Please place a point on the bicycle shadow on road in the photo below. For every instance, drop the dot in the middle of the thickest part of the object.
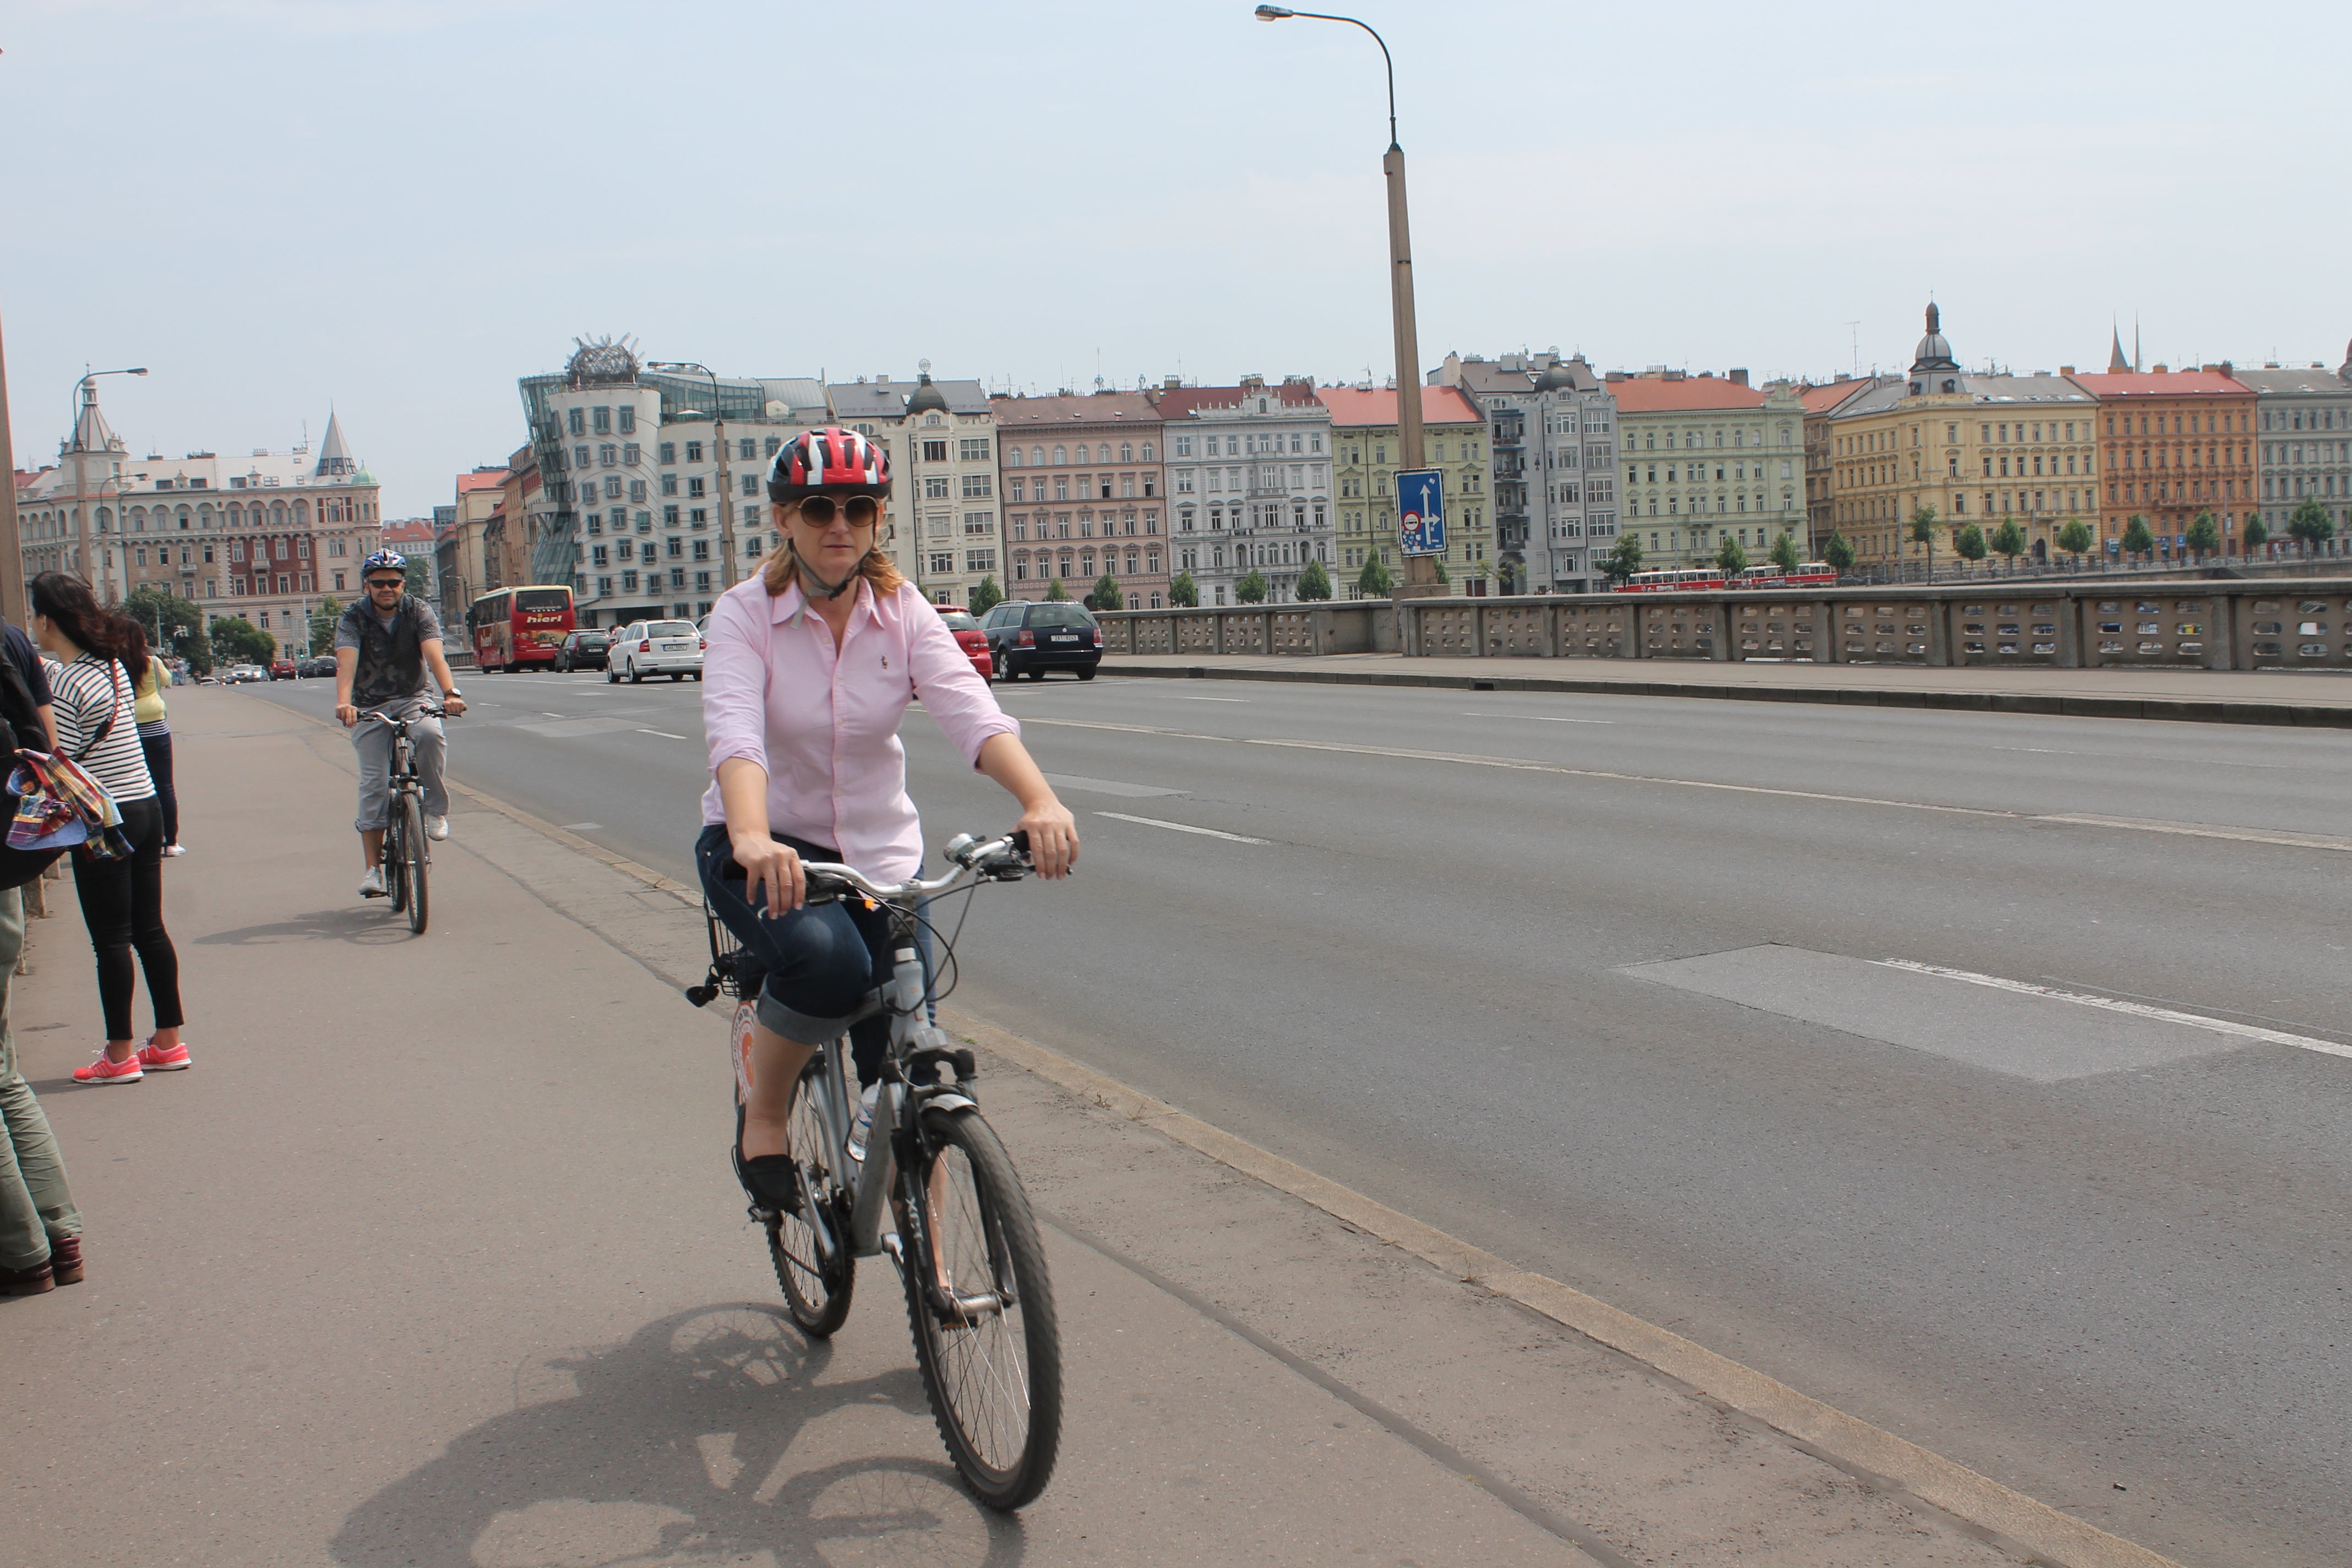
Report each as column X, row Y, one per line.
column 368, row 925
column 679, row 1447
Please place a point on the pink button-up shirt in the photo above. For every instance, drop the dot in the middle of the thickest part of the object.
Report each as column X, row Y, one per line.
column 825, row 723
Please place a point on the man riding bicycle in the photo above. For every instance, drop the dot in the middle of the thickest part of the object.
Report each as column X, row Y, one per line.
column 811, row 666
column 384, row 645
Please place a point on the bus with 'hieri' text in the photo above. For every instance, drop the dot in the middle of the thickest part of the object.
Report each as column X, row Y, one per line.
column 518, row 629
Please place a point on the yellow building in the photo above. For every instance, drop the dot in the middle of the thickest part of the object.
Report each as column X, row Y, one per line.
column 1981, row 449
column 1707, row 458
column 1365, row 459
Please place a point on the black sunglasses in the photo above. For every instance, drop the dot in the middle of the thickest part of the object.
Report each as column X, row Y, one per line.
column 387, row 582
column 861, row 510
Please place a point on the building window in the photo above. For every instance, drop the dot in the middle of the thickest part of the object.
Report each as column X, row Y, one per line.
column 935, row 451
column 972, row 448
column 976, row 485
column 669, row 451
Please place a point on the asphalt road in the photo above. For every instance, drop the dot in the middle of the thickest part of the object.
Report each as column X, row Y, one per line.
column 2099, row 1255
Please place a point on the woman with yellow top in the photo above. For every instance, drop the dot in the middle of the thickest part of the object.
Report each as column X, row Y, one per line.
column 154, row 729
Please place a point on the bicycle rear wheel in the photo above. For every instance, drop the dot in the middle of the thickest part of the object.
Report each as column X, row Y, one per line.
column 982, row 1310
column 816, row 1287
column 411, row 845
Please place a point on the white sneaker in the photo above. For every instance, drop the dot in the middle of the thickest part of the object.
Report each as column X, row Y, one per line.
column 436, row 828
column 176, row 849
column 371, row 885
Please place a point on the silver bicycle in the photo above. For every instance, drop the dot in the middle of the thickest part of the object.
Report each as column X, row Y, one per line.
column 407, row 853
column 935, row 1192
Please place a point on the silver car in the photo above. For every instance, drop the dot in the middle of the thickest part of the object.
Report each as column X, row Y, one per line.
column 655, row 648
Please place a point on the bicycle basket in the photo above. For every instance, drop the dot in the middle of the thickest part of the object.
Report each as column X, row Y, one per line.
column 732, row 972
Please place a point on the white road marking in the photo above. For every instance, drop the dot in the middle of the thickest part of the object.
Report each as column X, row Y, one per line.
column 1188, row 696
column 1540, row 718
column 1180, row 827
column 581, row 826
column 665, row 734
column 2285, row 838
column 556, row 715
column 2137, row 1009
column 1106, row 786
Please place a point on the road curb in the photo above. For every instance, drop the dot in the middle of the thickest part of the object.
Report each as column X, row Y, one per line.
column 2295, row 715
column 1845, row 1440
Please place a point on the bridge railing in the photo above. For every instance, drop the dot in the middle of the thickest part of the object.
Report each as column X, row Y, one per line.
column 2292, row 623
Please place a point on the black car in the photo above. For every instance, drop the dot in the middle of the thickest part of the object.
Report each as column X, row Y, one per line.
column 314, row 667
column 1029, row 638
column 584, row 649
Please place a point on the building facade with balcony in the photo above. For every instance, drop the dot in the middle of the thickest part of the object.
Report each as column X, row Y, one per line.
column 1084, row 495
column 941, row 526
column 1366, row 458
column 1708, row 458
column 1551, row 428
column 2173, row 444
column 1249, row 477
column 2303, row 421
column 261, row 536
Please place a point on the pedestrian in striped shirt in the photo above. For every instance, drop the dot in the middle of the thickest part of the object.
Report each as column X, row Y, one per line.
column 121, row 900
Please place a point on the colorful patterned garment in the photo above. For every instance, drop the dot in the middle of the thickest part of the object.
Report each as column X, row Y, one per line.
column 60, row 806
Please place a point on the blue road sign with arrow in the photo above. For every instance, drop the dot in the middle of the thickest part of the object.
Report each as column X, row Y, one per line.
column 1421, row 510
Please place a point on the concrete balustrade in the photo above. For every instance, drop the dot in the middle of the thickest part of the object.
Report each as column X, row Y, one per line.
column 2267, row 623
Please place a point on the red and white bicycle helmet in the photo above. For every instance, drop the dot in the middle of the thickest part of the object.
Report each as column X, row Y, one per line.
column 830, row 460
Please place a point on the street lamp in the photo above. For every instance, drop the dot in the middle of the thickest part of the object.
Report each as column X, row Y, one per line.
column 726, row 491
column 1421, row 572
column 85, row 396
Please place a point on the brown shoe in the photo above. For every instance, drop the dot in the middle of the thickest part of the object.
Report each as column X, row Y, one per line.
column 65, row 1259
column 27, row 1281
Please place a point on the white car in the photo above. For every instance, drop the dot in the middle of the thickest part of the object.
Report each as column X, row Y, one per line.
column 653, row 647
column 240, row 673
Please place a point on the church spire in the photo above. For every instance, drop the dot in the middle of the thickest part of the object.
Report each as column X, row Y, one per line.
column 2116, row 364
column 335, row 459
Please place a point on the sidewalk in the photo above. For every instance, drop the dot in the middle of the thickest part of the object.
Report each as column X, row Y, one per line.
column 2319, row 699
column 435, row 1258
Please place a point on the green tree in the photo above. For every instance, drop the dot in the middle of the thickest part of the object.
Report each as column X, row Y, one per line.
column 174, row 627
column 1923, row 531
column 1107, row 594
column 322, row 625
column 2076, row 539
column 1184, row 593
column 419, row 575
column 237, row 640
column 1785, row 554
column 1438, row 565
column 1732, row 559
column 1251, row 589
column 1056, row 592
column 2137, row 540
column 1623, row 559
column 1314, row 583
column 1374, row 582
column 1969, row 542
column 2310, row 525
column 987, row 596
column 2009, row 540
column 2204, row 535
column 1839, row 552
column 2256, row 534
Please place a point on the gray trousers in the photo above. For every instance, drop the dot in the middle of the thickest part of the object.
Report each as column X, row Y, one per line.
column 34, row 1203
column 373, row 741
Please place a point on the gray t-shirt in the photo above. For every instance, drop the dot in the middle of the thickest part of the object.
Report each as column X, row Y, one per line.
column 391, row 667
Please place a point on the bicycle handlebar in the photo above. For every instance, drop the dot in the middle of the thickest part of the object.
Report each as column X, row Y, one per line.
column 1004, row 859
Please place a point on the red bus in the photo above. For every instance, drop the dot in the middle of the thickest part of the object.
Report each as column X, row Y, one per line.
column 518, row 629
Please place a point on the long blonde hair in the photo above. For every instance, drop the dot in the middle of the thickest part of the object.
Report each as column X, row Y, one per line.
column 784, row 568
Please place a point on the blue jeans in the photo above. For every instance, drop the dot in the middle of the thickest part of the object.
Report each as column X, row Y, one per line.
column 817, row 965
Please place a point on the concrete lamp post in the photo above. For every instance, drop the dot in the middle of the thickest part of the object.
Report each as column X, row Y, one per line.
column 1420, row 571
column 726, row 490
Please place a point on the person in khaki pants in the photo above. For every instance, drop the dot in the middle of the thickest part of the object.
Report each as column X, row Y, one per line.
column 40, row 1230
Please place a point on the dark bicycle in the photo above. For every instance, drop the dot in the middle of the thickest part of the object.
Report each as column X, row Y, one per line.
column 960, row 1228
column 406, row 851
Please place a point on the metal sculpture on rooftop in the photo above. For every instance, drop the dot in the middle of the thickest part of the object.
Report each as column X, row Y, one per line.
column 602, row 362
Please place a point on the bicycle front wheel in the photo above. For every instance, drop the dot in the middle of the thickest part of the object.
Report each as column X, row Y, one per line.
column 817, row 1289
column 395, row 863
column 982, row 1310
column 411, row 848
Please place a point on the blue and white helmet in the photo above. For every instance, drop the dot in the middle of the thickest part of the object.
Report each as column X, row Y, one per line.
column 382, row 558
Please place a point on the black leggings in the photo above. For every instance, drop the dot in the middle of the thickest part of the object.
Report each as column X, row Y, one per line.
column 122, row 904
column 158, row 748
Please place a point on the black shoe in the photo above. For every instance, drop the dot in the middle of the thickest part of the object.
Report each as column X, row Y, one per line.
column 771, row 1180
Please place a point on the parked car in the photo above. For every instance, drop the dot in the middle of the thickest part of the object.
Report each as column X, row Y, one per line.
column 971, row 639
column 240, row 673
column 1030, row 637
column 586, row 649
column 324, row 665
column 653, row 647
column 282, row 667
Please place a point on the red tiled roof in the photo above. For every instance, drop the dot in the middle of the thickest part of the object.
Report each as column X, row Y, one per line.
column 2173, row 384
column 1104, row 408
column 1176, row 401
column 477, row 480
column 1439, row 405
column 1651, row 394
column 1822, row 399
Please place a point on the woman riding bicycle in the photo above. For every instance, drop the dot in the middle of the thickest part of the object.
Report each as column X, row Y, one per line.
column 810, row 667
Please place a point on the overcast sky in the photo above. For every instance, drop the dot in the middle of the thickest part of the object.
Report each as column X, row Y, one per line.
column 398, row 206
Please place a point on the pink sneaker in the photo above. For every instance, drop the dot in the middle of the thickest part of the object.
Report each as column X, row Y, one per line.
column 176, row 1059
column 105, row 1072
